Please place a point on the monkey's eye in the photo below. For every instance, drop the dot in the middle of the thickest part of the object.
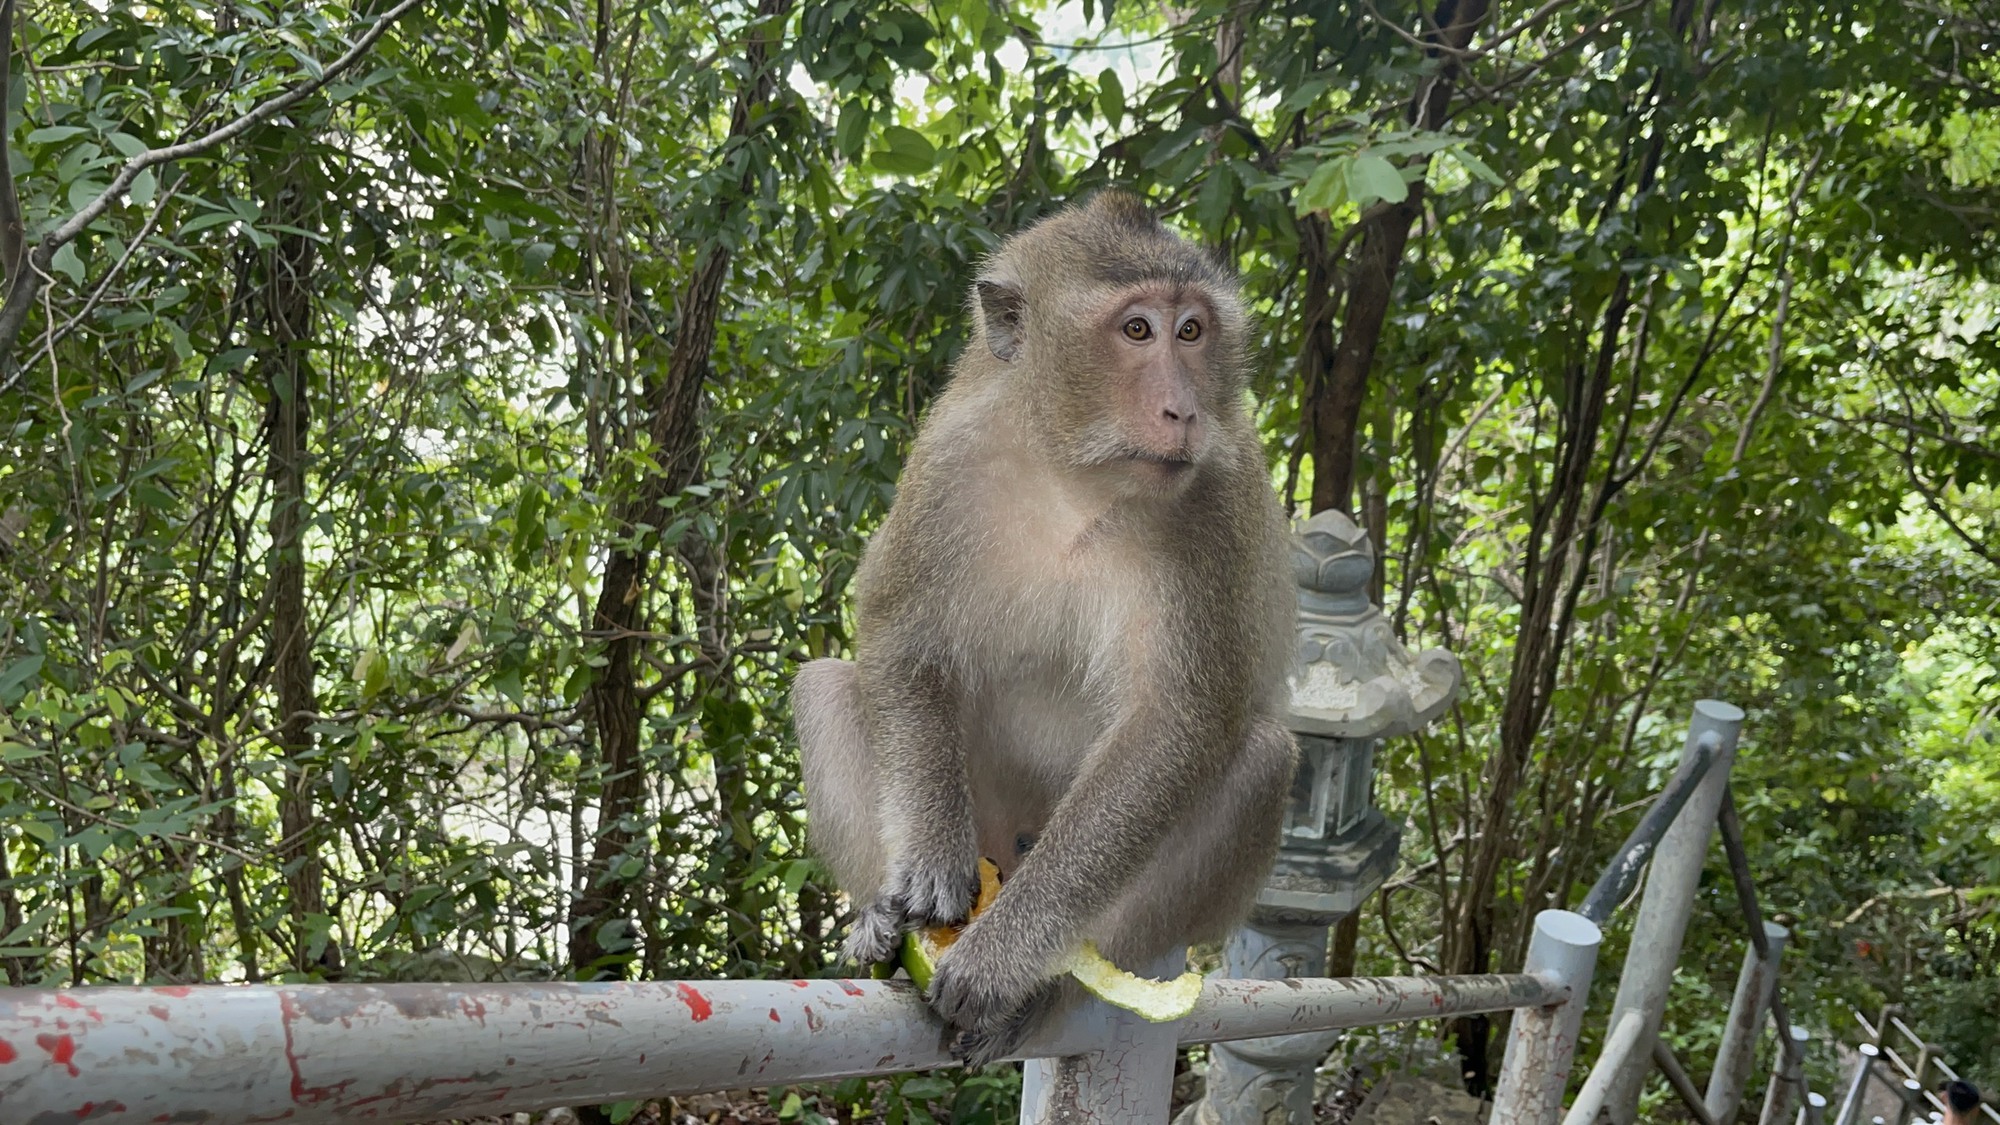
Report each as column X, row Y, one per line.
column 1190, row 329
column 1138, row 329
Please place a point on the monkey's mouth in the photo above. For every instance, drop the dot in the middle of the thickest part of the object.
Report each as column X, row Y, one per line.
column 1171, row 462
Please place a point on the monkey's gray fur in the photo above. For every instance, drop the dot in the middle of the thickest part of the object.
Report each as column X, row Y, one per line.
column 1073, row 629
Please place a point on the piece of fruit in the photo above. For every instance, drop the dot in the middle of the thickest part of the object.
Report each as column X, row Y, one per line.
column 921, row 947
column 1161, row 1001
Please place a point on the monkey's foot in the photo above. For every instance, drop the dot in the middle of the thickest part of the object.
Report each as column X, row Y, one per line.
column 977, row 1046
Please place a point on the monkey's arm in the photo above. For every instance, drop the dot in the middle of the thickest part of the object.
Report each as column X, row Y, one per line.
column 1138, row 783
column 927, row 826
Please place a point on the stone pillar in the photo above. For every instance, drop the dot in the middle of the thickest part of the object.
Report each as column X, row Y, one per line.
column 1355, row 686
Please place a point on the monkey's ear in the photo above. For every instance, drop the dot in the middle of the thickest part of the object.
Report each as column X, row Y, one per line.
column 1003, row 309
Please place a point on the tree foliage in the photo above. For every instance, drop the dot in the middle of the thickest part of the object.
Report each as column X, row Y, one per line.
column 435, row 431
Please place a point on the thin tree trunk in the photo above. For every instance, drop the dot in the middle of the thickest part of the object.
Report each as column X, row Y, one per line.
column 1562, row 538
column 286, row 295
column 673, row 400
column 20, row 970
column 1338, row 384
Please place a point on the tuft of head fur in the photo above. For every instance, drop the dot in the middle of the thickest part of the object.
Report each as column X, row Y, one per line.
column 1111, row 238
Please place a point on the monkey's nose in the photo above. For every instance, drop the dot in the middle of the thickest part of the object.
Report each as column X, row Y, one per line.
column 1183, row 417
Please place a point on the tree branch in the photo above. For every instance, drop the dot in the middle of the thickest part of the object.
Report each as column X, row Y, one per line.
column 27, row 285
column 13, row 233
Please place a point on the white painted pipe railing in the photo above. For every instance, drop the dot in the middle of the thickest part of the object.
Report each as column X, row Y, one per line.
column 1623, row 1041
column 1541, row 1044
column 414, row 1052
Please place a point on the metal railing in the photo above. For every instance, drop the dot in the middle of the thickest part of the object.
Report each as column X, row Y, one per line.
column 1908, row 1079
column 343, row 1052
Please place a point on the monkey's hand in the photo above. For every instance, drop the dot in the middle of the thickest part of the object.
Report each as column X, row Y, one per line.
column 990, row 993
column 921, row 893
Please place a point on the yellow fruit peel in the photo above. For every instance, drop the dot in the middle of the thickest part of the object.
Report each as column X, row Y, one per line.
column 1160, row 1001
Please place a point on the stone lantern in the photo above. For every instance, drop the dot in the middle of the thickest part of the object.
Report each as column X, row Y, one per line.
column 1356, row 685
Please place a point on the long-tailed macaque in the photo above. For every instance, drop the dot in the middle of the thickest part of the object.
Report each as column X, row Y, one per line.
column 1073, row 631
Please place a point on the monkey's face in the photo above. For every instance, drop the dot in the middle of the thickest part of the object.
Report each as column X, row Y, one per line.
column 1142, row 385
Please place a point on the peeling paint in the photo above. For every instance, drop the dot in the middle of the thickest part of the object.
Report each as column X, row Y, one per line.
column 62, row 1051
column 698, row 1005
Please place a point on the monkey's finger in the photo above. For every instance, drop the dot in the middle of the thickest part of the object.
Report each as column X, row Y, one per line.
column 877, row 932
column 935, row 896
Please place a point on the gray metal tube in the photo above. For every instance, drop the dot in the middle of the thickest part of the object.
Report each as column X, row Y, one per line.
column 1782, row 1093
column 1736, row 1057
column 1541, row 1044
column 1261, row 1081
column 1128, row 1077
column 417, row 1052
column 1622, row 873
column 1663, row 910
column 1814, row 1111
column 1850, row 1106
column 1623, row 1040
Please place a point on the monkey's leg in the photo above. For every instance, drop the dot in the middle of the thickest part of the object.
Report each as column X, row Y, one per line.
column 1202, row 879
column 1200, row 869
column 842, row 785
column 928, row 831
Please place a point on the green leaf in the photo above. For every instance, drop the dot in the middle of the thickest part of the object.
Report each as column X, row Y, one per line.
column 203, row 222
column 908, row 152
column 852, row 133
column 67, row 261
column 1325, row 189
column 50, row 134
column 14, row 679
column 1111, row 96
column 1371, row 177
column 1477, row 167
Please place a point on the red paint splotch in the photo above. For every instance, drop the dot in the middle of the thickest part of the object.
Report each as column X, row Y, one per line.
column 62, row 1051
column 159, row 1011
column 801, row 984
column 7, row 1054
column 176, row 990
column 698, row 1005
column 849, row 987
column 774, row 1015
column 302, row 1093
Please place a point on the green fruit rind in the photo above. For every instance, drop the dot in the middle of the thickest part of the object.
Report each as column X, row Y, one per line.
column 1160, row 1001
column 919, row 959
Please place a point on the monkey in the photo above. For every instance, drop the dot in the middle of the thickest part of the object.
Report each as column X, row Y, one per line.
column 1073, row 631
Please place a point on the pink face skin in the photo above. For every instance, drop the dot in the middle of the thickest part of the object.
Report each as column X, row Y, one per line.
column 1159, row 373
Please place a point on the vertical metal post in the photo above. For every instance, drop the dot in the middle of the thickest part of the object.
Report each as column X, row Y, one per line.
column 1787, row 1080
column 1129, row 1078
column 1736, row 1058
column 1850, row 1106
column 1663, row 911
column 1542, row 1042
column 1814, row 1111
column 1912, row 1093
